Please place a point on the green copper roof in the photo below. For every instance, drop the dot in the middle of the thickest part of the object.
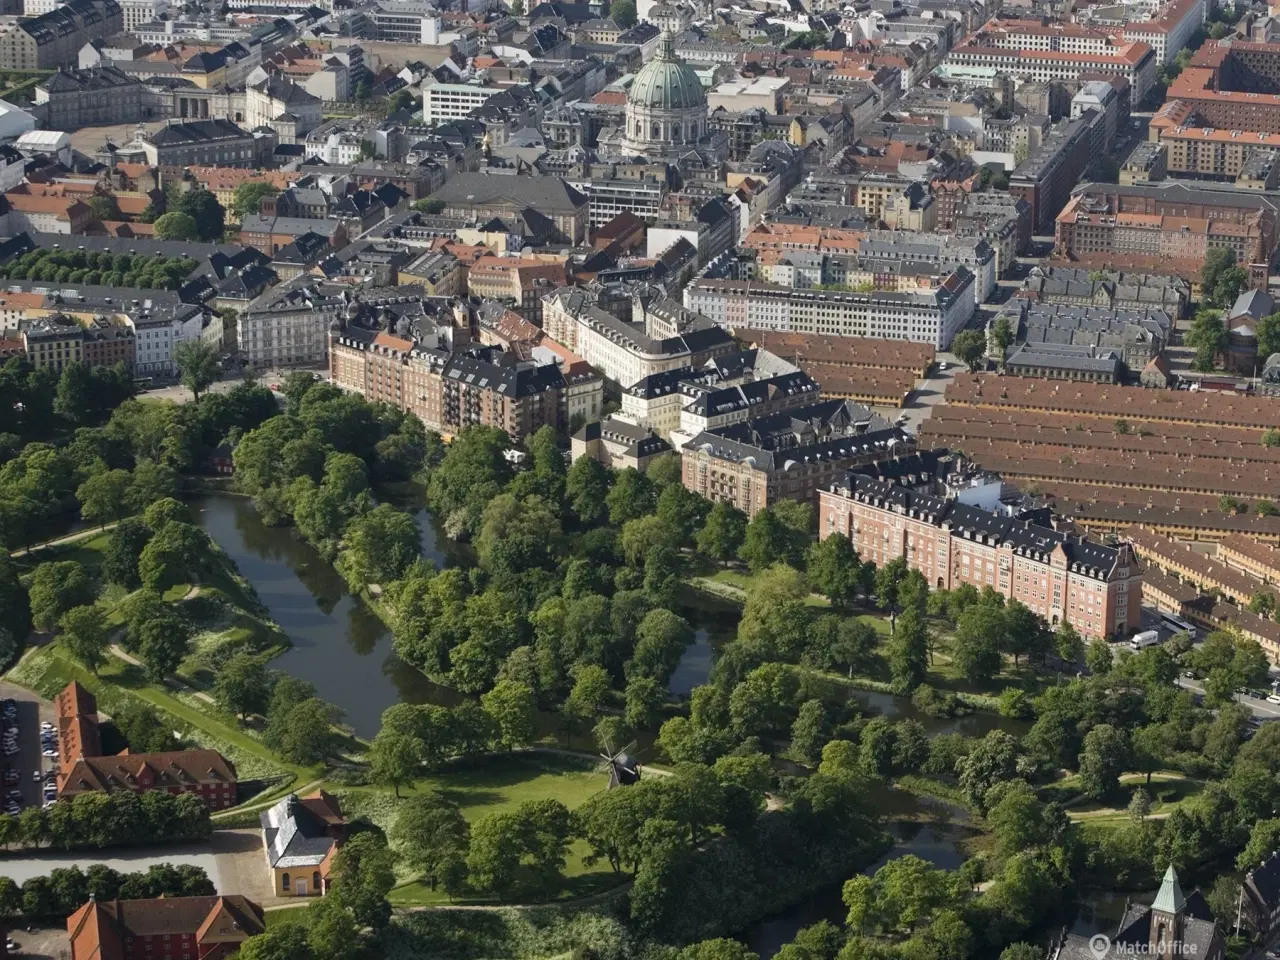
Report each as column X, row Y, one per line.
column 666, row 82
column 1170, row 898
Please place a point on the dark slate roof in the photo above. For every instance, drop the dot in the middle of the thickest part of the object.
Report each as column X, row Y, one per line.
column 491, row 369
column 640, row 442
column 660, row 384
column 289, row 93
column 196, row 131
column 885, row 484
column 102, row 78
column 294, row 836
column 569, row 12
column 1264, row 880
column 205, row 62
column 306, row 247
column 546, row 194
column 715, row 403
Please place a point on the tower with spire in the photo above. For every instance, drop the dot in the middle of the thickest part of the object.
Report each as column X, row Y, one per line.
column 1174, row 927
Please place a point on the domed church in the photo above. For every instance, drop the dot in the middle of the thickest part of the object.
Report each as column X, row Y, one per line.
column 666, row 114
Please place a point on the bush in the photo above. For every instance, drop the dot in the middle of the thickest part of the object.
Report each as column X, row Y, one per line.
column 934, row 702
column 112, row 819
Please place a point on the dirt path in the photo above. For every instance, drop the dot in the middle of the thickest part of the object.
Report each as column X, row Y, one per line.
column 173, row 683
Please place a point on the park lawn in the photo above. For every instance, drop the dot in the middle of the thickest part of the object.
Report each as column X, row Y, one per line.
column 741, row 580
column 296, row 914
column 1168, row 790
column 492, row 785
column 49, row 668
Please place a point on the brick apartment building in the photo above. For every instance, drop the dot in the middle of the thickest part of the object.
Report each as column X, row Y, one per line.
column 450, row 391
column 167, row 928
column 1229, row 84
column 1145, row 222
column 1044, row 180
column 894, row 510
column 83, row 769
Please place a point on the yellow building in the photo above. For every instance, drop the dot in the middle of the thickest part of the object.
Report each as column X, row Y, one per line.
column 301, row 836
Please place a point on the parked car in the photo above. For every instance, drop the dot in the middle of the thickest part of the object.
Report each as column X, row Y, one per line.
column 49, row 753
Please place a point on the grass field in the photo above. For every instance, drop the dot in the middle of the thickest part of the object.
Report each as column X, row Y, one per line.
column 1167, row 791
column 492, row 785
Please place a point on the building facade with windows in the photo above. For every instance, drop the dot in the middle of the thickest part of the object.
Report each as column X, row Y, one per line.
column 895, row 510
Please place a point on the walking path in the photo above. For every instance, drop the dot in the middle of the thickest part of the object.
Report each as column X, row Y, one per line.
column 85, row 534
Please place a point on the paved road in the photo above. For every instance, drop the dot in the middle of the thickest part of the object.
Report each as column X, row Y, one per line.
column 124, row 859
column 928, row 392
column 1259, row 708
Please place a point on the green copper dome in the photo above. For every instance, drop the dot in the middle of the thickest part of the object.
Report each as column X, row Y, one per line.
column 666, row 82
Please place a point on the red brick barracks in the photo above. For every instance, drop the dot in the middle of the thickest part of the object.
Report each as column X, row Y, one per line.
column 83, row 769
column 891, row 511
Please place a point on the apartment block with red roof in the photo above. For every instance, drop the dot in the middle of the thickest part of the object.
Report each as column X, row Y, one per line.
column 167, row 928
column 83, row 769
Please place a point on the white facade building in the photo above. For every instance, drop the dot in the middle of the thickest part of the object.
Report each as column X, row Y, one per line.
column 933, row 316
column 453, row 101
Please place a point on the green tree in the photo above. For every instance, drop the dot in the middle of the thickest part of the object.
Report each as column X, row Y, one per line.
column 1208, row 335
column 175, row 226
column 84, row 635
column 992, row 761
column 197, row 363
column 395, row 759
column 203, row 208
column 833, row 568
column 809, row 732
column 970, row 348
column 719, row 949
column 909, row 652
column 1103, row 759
column 623, row 13
column 248, row 197
column 55, row 588
column 242, row 687
column 980, row 633
column 514, row 710
column 433, row 837
column 104, row 496
column 104, row 206
column 644, row 699
column 1068, row 644
column 1098, row 657
column 363, row 874
column 770, row 538
column 633, row 496
column 721, row 536
column 163, row 643
column 586, row 485
column 380, row 546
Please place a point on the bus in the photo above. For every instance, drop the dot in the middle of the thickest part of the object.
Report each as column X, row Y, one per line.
column 1177, row 625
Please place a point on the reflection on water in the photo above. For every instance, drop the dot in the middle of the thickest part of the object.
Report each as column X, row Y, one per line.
column 339, row 645
column 936, row 840
column 343, row 649
column 976, row 724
